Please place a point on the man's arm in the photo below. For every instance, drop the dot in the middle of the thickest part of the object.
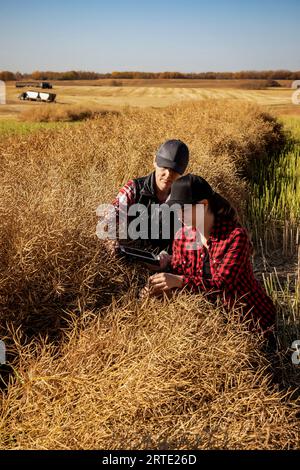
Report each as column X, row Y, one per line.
column 124, row 199
column 111, row 216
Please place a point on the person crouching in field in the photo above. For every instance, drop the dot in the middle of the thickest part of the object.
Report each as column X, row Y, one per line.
column 150, row 191
column 221, row 264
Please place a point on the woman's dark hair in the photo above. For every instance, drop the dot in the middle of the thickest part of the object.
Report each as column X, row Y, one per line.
column 220, row 206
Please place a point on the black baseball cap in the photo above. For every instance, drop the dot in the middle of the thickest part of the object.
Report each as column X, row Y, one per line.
column 189, row 189
column 173, row 154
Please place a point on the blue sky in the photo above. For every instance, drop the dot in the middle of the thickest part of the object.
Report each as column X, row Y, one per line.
column 157, row 35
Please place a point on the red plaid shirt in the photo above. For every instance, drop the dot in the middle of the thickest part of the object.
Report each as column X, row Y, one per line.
column 124, row 199
column 232, row 278
column 120, row 204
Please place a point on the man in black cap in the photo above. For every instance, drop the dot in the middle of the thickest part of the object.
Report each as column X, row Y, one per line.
column 170, row 162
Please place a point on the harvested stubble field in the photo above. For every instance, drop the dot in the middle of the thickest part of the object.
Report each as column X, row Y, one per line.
column 91, row 365
column 93, row 96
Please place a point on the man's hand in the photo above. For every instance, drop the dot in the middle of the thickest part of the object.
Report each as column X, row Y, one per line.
column 163, row 282
column 164, row 259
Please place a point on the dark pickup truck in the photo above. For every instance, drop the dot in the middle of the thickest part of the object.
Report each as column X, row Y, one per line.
column 33, row 84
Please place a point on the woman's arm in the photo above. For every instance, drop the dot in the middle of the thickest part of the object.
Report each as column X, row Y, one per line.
column 229, row 269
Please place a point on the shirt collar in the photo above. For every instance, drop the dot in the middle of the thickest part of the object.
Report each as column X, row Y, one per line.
column 223, row 225
column 149, row 185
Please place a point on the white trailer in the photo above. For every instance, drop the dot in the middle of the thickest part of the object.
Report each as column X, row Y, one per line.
column 37, row 96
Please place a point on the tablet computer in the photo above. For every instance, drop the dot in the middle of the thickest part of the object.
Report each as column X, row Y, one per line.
column 139, row 255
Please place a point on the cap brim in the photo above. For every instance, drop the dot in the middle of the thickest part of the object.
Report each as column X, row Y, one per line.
column 164, row 162
column 171, row 202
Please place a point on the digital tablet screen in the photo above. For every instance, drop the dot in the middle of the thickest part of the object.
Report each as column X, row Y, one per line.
column 141, row 255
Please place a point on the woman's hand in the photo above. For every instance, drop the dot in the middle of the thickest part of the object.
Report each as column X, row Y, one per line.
column 163, row 282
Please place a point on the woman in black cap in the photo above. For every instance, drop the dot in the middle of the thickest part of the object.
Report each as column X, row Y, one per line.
column 212, row 254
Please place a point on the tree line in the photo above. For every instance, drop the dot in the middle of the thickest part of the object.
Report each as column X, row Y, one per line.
column 6, row 75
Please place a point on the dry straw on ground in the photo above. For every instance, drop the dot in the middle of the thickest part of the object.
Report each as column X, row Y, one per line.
column 52, row 183
column 127, row 373
column 149, row 375
column 58, row 113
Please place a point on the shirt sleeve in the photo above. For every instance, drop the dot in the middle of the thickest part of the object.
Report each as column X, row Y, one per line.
column 124, row 199
column 228, row 270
